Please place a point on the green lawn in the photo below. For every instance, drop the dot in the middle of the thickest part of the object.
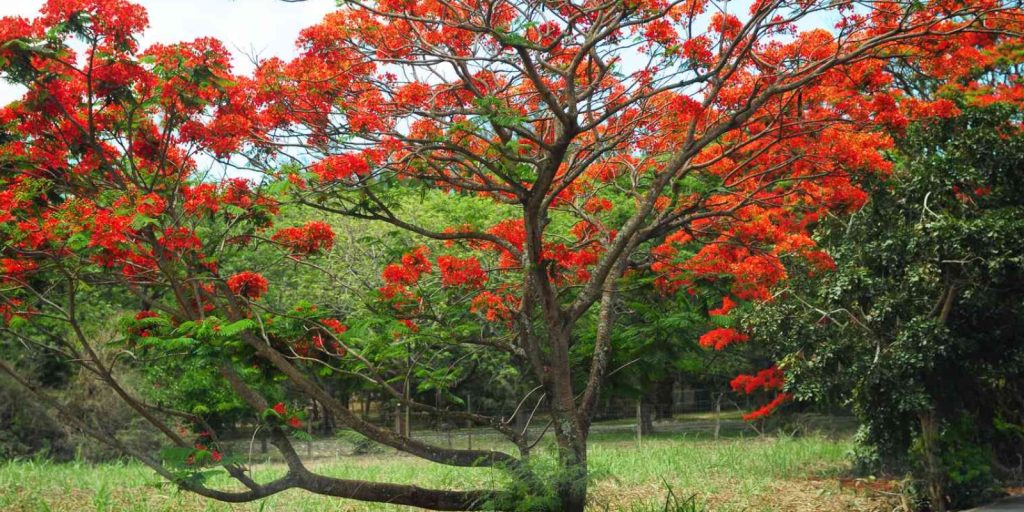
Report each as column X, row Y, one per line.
column 748, row 474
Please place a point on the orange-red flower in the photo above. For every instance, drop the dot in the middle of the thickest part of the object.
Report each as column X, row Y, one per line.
column 248, row 284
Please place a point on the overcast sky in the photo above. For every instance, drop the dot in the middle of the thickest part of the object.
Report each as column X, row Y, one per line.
column 268, row 27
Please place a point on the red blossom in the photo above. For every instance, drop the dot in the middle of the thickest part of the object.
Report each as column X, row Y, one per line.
column 150, row 205
column 248, row 284
column 110, row 231
column 310, row 238
column 597, row 204
column 179, row 239
column 768, row 408
column 146, row 313
column 414, row 264
column 334, row 325
column 722, row 337
column 727, row 305
column 15, row 268
column 768, row 379
column 660, row 32
column 340, row 167
column 201, row 199
column 417, row 260
column 461, row 272
column 493, row 306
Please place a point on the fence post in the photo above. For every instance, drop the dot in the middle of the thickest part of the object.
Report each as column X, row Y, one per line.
column 309, row 434
column 718, row 413
column 408, row 410
column 639, row 423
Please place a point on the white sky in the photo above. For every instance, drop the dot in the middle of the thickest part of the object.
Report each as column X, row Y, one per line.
column 267, row 27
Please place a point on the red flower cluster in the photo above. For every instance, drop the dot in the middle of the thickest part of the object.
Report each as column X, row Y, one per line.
column 340, row 167
column 767, row 379
column 398, row 276
column 571, row 265
column 416, row 261
column 179, row 239
column 237, row 192
column 248, row 284
column 110, row 231
column 495, row 307
column 514, row 232
column 727, row 305
column 282, row 411
column 310, row 238
column 597, row 204
column 722, row 337
column 334, row 325
column 145, row 313
column 150, row 205
column 13, row 269
column 461, row 272
column 142, row 315
column 660, row 32
column 767, row 408
column 201, row 199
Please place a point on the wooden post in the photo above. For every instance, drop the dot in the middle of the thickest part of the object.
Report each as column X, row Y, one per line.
column 639, row 422
column 718, row 414
column 309, row 432
column 408, row 395
column 398, row 418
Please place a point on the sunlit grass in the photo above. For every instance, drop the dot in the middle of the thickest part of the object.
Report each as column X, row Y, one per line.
column 730, row 474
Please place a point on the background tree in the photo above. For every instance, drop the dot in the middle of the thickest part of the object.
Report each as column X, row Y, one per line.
column 919, row 328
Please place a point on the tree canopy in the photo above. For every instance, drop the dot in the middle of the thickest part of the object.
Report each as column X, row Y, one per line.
column 608, row 140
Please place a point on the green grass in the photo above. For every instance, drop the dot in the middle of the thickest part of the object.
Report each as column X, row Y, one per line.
column 735, row 474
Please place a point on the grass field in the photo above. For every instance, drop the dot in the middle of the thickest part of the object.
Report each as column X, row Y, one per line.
column 737, row 474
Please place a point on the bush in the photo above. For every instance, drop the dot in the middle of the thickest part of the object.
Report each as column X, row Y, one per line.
column 94, row 399
column 26, row 429
column 968, row 464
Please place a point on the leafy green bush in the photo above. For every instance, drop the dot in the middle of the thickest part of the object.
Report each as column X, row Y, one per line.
column 966, row 463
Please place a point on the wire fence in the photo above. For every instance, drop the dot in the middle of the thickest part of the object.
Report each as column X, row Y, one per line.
column 706, row 414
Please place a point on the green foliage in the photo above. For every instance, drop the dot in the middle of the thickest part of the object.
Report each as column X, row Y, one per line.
column 926, row 309
column 968, row 463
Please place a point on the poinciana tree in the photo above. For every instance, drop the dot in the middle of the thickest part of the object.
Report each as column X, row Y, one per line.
column 615, row 138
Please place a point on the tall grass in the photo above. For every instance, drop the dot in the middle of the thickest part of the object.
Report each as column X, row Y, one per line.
column 671, row 473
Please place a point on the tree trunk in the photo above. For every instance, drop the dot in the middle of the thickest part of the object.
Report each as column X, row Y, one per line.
column 572, row 483
column 662, row 398
column 646, row 418
column 934, row 474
